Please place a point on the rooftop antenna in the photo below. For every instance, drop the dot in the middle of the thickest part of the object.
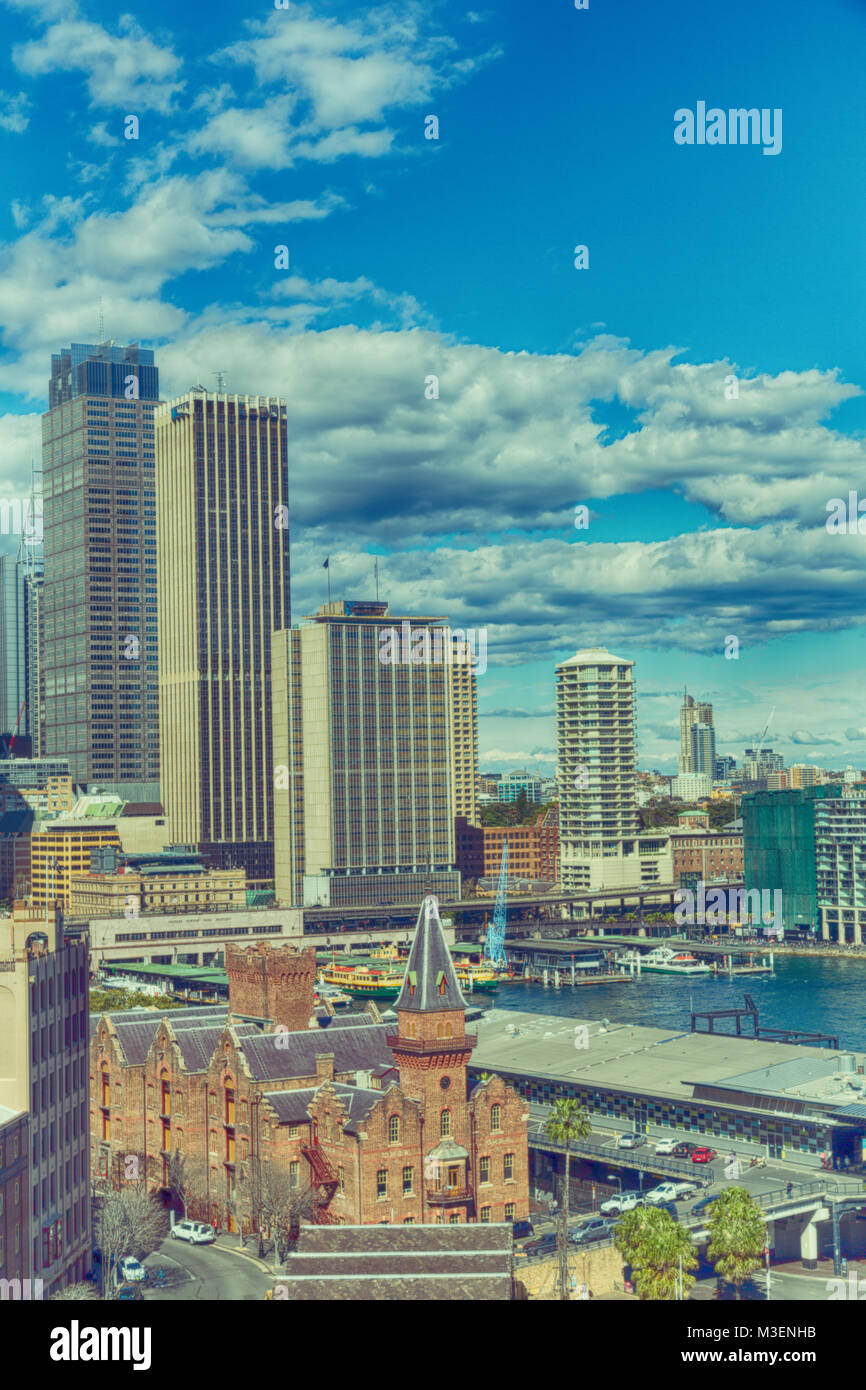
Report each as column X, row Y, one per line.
column 101, row 325
column 376, row 574
column 221, row 381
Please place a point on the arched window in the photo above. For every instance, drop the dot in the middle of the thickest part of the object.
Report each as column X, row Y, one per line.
column 445, row 1124
column 495, row 1118
column 394, row 1129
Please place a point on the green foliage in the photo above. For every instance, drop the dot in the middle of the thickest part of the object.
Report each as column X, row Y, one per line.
column 114, row 1001
column 518, row 812
column 653, row 1243
column 737, row 1229
column 568, row 1120
column 720, row 813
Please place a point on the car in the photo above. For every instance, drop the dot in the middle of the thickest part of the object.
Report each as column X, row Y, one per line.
column 630, row 1141
column 665, row 1146
column 522, row 1229
column 129, row 1293
column 593, row 1231
column 196, row 1232
column 622, row 1201
column 542, row 1245
column 664, row 1192
column 684, row 1149
column 700, row 1208
column 704, row 1155
column 669, row 1208
column 131, row 1270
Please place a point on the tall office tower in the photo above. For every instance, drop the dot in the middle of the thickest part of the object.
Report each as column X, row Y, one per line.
column 704, row 749
column 13, row 644
column 692, row 712
column 223, row 589
column 44, row 1070
column 600, row 841
column 34, row 580
column 363, row 807
column 463, row 733
column 98, row 603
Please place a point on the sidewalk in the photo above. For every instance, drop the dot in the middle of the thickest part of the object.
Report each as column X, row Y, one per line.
column 248, row 1251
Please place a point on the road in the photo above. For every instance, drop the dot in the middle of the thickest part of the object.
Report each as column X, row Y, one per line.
column 207, row 1273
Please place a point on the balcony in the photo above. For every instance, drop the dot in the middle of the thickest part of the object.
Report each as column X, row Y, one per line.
column 448, row 1196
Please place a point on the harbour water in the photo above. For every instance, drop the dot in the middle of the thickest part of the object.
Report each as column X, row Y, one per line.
column 824, row 995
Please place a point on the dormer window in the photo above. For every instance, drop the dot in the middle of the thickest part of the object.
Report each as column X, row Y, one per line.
column 440, row 982
column 413, row 981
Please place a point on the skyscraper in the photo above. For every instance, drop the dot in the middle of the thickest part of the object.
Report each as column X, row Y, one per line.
column 13, row 642
column 691, row 713
column 98, row 602
column 703, row 738
column 363, row 805
column 599, row 827
column 223, row 589
column 463, row 732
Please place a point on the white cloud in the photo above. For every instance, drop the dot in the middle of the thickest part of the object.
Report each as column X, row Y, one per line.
column 14, row 111
column 127, row 69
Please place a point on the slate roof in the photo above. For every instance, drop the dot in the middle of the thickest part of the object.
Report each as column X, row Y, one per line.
column 409, row 1263
column 281, row 1056
column 345, row 1020
column 429, row 984
column 291, row 1106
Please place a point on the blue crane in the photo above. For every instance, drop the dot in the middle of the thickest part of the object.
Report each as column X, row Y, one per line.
column 494, row 945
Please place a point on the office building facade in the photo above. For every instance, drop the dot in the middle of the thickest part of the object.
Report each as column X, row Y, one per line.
column 97, row 605
column 364, row 806
column 463, row 732
column 223, row 589
column 13, row 646
column 694, row 712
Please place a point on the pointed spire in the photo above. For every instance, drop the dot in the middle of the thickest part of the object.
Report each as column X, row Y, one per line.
column 430, row 983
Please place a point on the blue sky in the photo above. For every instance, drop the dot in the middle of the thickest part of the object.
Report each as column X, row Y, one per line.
column 454, row 258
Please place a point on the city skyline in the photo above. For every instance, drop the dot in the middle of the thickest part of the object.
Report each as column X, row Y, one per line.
column 280, row 216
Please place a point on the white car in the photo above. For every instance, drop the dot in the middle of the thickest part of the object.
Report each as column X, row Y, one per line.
column 196, row 1232
column 131, row 1271
column 622, row 1202
column 670, row 1192
column 665, row 1146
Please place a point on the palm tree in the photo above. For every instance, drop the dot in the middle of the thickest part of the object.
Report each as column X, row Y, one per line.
column 657, row 1247
column 568, row 1121
column 737, row 1230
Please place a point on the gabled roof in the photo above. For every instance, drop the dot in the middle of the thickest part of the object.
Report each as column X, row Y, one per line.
column 283, row 1056
column 430, row 984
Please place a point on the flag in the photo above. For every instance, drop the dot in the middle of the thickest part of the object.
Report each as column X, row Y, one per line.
column 325, row 565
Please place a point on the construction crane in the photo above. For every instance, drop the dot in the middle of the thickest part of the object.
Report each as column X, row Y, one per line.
column 494, row 945
column 763, row 734
column 11, row 752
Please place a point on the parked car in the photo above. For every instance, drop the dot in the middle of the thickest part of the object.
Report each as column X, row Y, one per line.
column 622, row 1201
column 685, row 1149
column 129, row 1293
column 131, row 1271
column 669, row 1208
column 196, row 1232
column 701, row 1208
column 542, row 1245
column 594, row 1231
column 522, row 1229
column 704, row 1155
column 630, row 1141
column 665, row 1146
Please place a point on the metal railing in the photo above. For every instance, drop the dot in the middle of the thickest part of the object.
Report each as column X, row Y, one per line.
column 642, row 1158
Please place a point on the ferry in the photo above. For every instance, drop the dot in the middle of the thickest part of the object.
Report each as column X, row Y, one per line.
column 374, row 982
column 473, row 976
column 664, row 961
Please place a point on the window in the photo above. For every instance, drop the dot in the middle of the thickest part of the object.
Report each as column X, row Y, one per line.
column 485, row 1215
column 445, row 1124
column 382, row 1183
column 495, row 1119
column 509, row 1211
column 454, row 1219
column 408, row 1221
column 484, row 1169
column 394, row 1129
column 408, row 1181
column 294, row 1174
column 293, row 1131
column 341, row 1181
column 508, row 1167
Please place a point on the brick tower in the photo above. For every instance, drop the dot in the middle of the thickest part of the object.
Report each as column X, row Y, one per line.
column 274, row 985
column 431, row 1049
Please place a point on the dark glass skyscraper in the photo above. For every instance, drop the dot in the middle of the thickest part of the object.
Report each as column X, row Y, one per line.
column 98, row 602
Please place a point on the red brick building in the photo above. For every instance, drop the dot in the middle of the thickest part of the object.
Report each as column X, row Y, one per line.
column 533, row 850
column 239, row 1117
column 707, row 855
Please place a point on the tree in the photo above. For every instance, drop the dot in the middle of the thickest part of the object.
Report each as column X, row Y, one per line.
column 276, row 1207
column 75, row 1293
column 127, row 1221
column 738, row 1234
column 568, row 1121
column 653, row 1244
column 187, row 1179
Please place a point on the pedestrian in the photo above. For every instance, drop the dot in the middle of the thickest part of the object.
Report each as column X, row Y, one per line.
column 789, row 1190
column 847, row 1163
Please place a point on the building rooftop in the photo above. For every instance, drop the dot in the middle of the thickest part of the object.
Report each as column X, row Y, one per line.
column 662, row 1062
